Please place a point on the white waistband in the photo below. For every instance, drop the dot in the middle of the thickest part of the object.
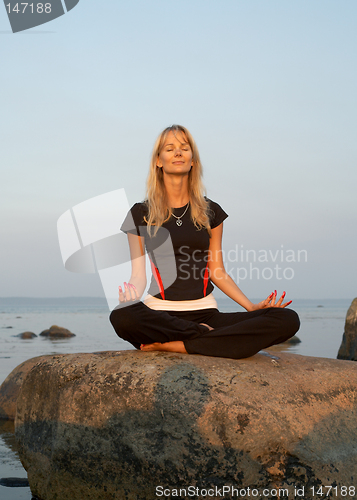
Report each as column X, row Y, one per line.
column 207, row 302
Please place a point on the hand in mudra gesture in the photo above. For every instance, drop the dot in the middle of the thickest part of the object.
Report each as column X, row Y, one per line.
column 272, row 302
column 130, row 293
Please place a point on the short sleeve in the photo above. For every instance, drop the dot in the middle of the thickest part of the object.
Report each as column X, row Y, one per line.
column 134, row 219
column 217, row 215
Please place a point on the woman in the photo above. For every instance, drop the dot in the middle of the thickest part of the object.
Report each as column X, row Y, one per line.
column 182, row 233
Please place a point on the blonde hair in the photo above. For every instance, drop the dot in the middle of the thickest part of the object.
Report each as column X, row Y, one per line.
column 159, row 210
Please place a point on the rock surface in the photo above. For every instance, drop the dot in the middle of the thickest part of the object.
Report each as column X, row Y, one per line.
column 57, row 331
column 348, row 348
column 11, row 386
column 115, row 425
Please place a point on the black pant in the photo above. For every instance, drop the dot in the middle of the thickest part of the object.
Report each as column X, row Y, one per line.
column 235, row 335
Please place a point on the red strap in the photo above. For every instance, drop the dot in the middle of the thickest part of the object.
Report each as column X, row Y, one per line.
column 205, row 281
column 158, row 279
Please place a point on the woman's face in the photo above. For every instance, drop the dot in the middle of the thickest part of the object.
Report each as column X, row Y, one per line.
column 175, row 157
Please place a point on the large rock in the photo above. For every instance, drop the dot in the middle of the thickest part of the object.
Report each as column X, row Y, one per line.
column 11, row 386
column 57, row 332
column 348, row 349
column 116, row 425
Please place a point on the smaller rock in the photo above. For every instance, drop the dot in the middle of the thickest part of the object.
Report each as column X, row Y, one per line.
column 14, row 482
column 8, row 327
column 26, row 335
column 57, row 332
column 293, row 340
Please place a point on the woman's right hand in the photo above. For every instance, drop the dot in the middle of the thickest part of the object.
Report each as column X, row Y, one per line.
column 129, row 294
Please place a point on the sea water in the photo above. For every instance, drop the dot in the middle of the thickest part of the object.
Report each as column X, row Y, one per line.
column 322, row 325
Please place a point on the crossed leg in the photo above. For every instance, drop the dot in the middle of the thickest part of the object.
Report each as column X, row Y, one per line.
column 173, row 346
column 233, row 335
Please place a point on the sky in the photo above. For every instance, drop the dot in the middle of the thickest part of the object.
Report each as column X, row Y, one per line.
column 268, row 91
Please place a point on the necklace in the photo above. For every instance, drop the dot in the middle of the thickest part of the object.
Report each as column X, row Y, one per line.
column 179, row 221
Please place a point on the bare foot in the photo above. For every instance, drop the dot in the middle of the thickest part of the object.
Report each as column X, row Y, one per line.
column 207, row 326
column 174, row 346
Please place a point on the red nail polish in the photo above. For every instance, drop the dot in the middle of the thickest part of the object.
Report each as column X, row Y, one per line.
column 275, row 292
column 289, row 302
column 120, row 289
column 284, row 294
column 125, row 285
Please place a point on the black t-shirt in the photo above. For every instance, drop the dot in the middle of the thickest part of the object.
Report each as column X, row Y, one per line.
column 178, row 254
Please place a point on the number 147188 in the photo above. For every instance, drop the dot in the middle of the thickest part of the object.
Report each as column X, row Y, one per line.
column 38, row 8
column 342, row 491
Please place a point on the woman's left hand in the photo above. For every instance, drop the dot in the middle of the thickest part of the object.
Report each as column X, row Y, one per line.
column 271, row 302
